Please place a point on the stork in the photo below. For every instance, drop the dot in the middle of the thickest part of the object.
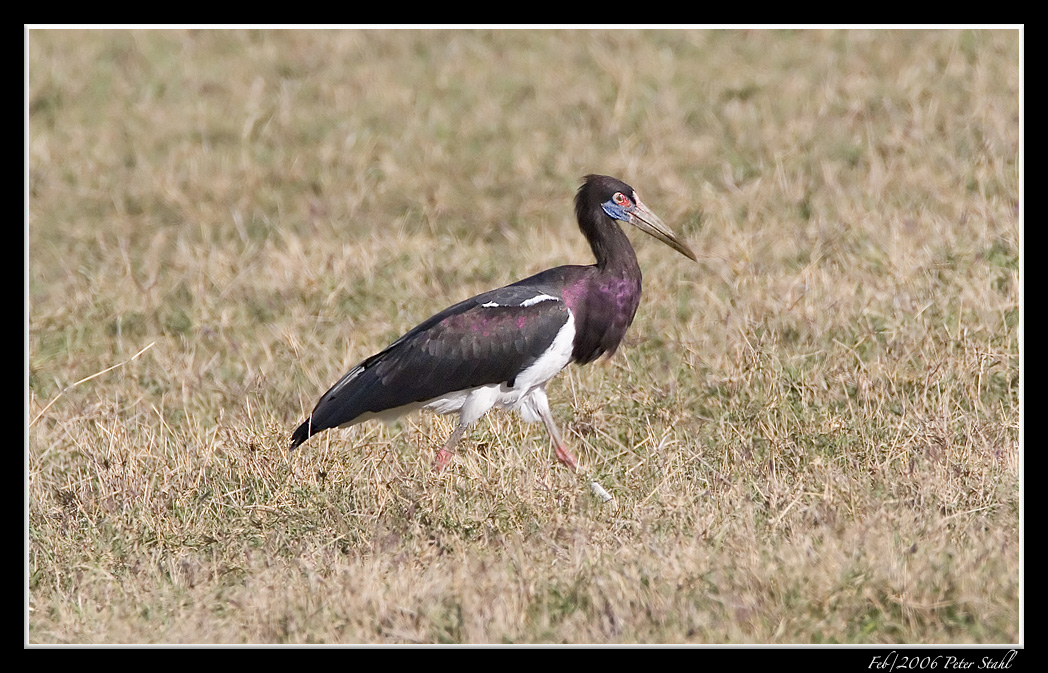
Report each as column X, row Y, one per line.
column 499, row 349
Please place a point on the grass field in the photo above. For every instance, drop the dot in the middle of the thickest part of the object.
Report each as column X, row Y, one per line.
column 811, row 436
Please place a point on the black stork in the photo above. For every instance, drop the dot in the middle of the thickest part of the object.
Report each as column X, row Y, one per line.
column 500, row 348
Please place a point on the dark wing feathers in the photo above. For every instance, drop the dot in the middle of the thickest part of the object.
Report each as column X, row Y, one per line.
column 466, row 345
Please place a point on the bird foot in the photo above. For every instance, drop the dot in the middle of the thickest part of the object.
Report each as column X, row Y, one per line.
column 443, row 458
column 564, row 455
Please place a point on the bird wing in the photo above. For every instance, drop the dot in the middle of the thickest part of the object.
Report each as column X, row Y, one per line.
column 487, row 339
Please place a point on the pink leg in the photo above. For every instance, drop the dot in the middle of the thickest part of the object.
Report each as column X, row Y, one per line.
column 447, row 452
column 563, row 454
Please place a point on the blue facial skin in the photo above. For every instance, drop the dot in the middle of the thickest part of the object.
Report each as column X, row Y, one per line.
column 615, row 210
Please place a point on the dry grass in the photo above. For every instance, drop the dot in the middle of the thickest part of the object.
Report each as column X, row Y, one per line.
column 812, row 436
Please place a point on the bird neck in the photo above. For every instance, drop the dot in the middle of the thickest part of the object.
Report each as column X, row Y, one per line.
column 612, row 249
column 603, row 297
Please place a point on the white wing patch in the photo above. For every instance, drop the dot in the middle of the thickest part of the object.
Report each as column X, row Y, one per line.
column 556, row 357
column 524, row 304
column 536, row 299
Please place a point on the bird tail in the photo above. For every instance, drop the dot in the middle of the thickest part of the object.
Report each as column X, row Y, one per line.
column 301, row 433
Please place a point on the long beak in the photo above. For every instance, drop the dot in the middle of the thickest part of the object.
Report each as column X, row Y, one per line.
column 650, row 224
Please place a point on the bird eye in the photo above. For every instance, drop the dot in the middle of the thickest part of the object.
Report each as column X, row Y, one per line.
column 620, row 199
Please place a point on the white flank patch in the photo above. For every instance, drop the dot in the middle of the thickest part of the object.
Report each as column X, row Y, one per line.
column 556, row 357
column 491, row 304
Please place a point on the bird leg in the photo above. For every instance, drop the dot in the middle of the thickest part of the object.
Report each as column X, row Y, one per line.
column 563, row 453
column 447, row 451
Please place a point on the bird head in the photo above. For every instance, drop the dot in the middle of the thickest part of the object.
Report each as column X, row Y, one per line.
column 620, row 201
